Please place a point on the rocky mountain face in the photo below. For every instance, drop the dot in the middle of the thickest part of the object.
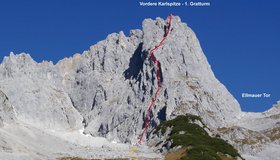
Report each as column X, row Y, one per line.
column 7, row 114
column 255, row 133
column 106, row 90
column 36, row 99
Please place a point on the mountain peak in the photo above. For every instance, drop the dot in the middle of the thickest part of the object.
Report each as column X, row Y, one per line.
column 107, row 90
column 117, row 73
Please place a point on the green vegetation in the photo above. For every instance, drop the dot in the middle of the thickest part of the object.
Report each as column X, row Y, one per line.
column 200, row 145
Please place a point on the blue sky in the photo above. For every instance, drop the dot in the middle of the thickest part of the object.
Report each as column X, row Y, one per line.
column 240, row 38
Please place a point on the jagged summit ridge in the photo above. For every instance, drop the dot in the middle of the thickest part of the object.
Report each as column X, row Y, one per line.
column 111, row 84
column 105, row 91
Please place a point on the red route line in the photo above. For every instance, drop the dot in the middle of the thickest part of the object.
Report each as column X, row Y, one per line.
column 158, row 77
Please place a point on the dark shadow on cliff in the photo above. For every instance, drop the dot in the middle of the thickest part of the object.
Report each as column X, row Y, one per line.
column 135, row 63
column 162, row 114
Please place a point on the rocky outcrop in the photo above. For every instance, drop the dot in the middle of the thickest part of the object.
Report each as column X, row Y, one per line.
column 105, row 91
column 7, row 114
column 255, row 133
column 111, row 85
column 36, row 98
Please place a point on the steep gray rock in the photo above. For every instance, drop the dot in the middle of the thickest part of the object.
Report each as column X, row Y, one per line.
column 7, row 114
column 36, row 98
column 106, row 90
column 111, row 85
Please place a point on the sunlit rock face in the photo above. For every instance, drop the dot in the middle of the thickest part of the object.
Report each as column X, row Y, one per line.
column 7, row 114
column 106, row 90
